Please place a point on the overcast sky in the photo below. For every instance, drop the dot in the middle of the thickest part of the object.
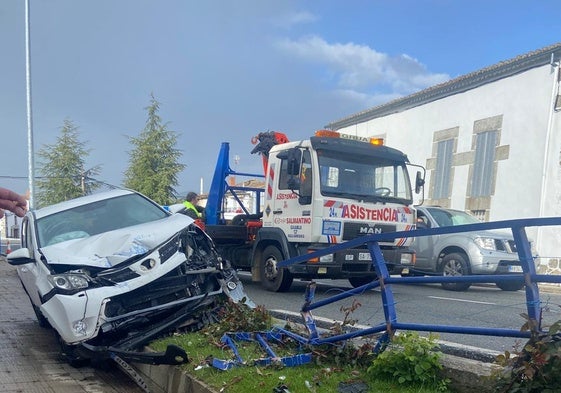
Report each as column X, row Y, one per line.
column 224, row 71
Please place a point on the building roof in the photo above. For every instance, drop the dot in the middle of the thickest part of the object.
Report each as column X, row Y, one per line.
column 504, row 69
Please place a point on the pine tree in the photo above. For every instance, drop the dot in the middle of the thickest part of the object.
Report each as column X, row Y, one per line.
column 154, row 160
column 62, row 168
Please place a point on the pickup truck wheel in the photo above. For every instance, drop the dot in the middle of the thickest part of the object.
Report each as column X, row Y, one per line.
column 455, row 264
column 360, row 281
column 510, row 285
column 272, row 278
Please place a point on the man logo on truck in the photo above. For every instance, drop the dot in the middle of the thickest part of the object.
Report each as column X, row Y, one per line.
column 370, row 230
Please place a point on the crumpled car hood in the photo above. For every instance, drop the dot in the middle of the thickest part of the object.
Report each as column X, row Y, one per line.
column 112, row 248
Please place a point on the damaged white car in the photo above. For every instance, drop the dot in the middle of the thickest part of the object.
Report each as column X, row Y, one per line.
column 112, row 271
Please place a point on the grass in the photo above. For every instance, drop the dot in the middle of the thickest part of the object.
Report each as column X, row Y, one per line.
column 312, row 377
column 331, row 367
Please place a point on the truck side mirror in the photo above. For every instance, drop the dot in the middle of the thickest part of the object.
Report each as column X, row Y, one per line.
column 294, row 156
column 419, row 182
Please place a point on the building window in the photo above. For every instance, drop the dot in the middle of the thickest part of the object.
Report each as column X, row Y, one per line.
column 482, row 180
column 443, row 169
column 481, row 215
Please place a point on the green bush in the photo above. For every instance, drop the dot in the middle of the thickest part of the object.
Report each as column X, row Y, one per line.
column 534, row 369
column 410, row 359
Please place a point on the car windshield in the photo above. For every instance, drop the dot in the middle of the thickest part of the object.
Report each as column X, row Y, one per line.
column 447, row 218
column 97, row 217
column 363, row 177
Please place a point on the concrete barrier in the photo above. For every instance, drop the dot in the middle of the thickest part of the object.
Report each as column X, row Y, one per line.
column 466, row 376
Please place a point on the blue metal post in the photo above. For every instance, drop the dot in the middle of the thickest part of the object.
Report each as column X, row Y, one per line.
column 388, row 301
column 217, row 187
column 529, row 269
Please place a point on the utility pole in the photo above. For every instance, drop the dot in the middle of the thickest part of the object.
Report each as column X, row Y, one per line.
column 30, row 149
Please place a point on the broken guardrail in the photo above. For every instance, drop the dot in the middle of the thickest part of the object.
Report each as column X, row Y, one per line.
column 385, row 281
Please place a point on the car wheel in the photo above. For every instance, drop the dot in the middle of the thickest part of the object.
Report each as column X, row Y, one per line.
column 359, row 281
column 272, row 278
column 455, row 264
column 43, row 322
column 510, row 285
column 71, row 355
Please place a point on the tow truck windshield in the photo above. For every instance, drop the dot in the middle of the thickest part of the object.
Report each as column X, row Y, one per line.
column 363, row 178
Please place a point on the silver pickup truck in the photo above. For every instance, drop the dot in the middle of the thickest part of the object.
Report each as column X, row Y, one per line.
column 482, row 252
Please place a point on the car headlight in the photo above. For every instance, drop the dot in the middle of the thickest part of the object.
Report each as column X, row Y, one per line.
column 486, row 243
column 69, row 282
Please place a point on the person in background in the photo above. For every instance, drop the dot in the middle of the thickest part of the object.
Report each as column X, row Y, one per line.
column 192, row 209
column 12, row 201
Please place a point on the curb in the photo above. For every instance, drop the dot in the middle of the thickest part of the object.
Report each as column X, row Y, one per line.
column 170, row 379
column 466, row 376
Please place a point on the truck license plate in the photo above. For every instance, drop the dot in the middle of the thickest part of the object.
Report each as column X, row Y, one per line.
column 322, row 270
column 364, row 256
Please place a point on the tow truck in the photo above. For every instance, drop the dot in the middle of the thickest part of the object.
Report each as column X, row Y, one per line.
column 317, row 192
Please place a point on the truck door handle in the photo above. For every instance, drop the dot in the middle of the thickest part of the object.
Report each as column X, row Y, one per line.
column 277, row 211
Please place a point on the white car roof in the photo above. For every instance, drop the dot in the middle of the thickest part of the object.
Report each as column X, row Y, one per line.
column 72, row 203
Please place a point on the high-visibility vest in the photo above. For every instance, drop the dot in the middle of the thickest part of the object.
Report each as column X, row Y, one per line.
column 189, row 205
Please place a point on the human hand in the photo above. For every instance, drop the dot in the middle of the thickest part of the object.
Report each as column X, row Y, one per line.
column 13, row 202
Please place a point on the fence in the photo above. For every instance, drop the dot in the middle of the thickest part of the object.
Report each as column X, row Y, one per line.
column 385, row 281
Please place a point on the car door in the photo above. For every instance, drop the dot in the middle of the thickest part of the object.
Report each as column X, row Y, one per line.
column 424, row 245
column 30, row 272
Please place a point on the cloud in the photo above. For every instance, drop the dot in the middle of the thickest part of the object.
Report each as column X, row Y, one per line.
column 287, row 21
column 365, row 99
column 359, row 68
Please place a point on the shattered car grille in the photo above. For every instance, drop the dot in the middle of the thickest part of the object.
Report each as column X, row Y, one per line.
column 168, row 249
column 176, row 287
column 121, row 275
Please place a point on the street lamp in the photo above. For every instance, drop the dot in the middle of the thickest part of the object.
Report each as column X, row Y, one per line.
column 30, row 151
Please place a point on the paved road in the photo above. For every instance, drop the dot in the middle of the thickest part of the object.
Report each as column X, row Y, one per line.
column 485, row 306
column 29, row 355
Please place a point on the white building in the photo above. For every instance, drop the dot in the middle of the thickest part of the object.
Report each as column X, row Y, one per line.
column 490, row 140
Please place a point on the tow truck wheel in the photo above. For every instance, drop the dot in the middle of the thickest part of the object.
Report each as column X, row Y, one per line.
column 359, row 281
column 272, row 278
column 455, row 264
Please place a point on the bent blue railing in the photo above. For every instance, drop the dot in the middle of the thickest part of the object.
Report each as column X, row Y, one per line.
column 385, row 281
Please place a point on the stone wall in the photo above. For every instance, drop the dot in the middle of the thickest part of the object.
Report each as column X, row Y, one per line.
column 552, row 266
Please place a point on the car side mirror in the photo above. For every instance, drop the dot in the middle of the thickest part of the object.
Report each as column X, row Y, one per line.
column 19, row 257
